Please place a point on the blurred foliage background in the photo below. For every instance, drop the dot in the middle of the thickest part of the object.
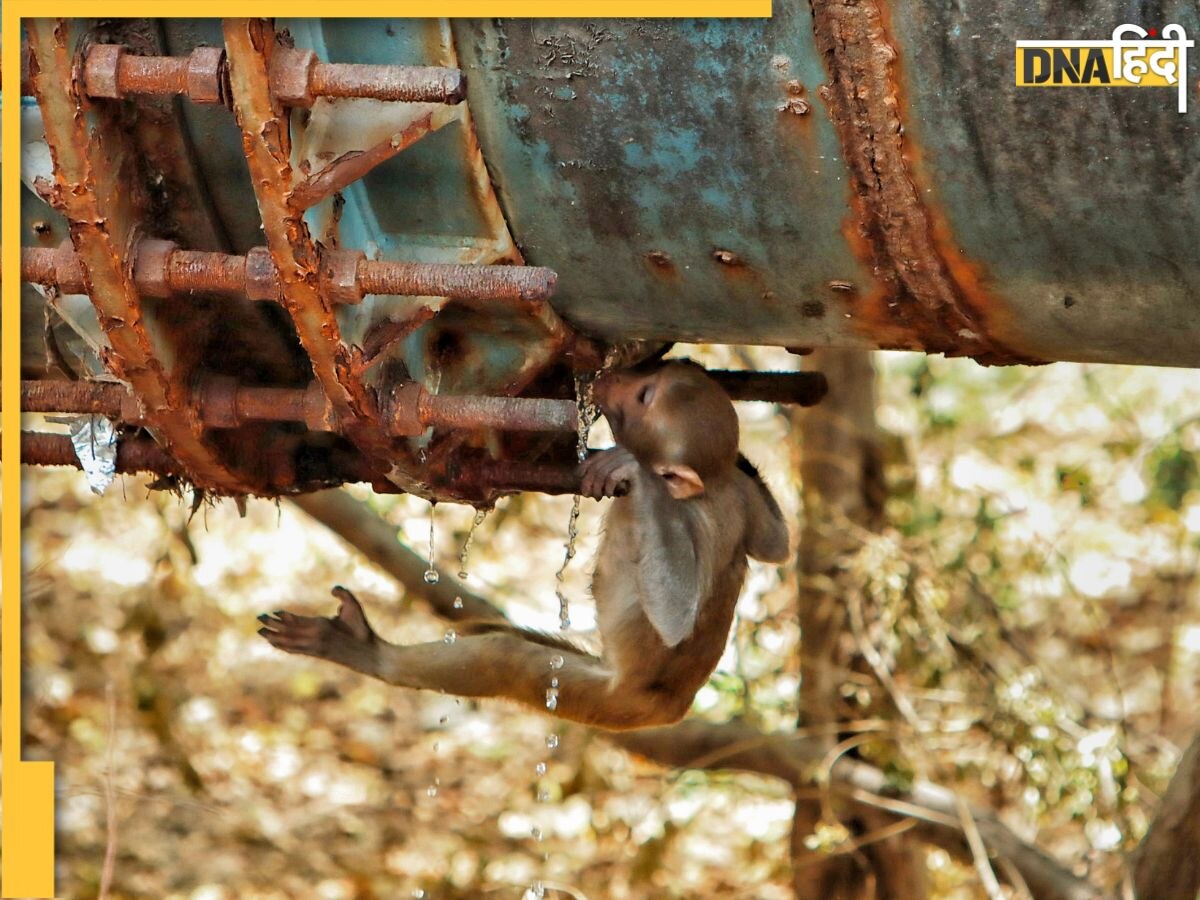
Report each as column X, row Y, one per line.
column 1030, row 613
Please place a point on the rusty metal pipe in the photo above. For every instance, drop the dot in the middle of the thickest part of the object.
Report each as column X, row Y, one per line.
column 133, row 455
column 162, row 269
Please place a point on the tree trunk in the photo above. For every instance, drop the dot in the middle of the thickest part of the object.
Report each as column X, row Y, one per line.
column 840, row 468
column 1167, row 864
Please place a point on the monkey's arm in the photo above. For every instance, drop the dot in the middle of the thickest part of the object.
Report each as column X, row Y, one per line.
column 670, row 585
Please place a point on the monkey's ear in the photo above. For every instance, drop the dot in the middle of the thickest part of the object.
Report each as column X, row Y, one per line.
column 682, row 481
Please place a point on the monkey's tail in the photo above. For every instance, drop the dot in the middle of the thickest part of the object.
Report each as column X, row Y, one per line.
column 537, row 637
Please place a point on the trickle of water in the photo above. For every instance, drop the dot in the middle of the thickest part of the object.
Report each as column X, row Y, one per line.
column 458, row 604
column 450, row 636
column 557, row 662
column 537, row 891
column 431, row 574
column 480, row 515
column 587, row 415
column 552, row 741
column 540, row 768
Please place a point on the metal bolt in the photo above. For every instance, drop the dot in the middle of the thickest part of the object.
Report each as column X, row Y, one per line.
column 100, row 71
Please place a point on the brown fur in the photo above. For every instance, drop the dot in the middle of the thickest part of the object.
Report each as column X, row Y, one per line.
column 669, row 571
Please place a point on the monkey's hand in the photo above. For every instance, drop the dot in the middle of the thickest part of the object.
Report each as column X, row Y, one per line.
column 608, row 473
column 326, row 638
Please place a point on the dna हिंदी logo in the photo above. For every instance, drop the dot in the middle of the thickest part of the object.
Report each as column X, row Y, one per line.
column 1133, row 57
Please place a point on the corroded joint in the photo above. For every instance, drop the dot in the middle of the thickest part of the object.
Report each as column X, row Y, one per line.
column 339, row 270
column 291, row 76
column 100, row 71
column 262, row 281
column 403, row 412
column 152, row 266
column 110, row 71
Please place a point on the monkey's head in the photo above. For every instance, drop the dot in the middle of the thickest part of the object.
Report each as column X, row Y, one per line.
column 675, row 420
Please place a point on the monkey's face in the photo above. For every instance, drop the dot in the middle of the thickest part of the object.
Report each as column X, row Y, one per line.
column 673, row 414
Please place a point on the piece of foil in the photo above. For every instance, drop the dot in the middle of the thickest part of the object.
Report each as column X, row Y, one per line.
column 95, row 442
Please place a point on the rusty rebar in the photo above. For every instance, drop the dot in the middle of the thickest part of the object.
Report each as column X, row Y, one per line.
column 508, row 413
column 133, row 454
column 460, row 282
column 162, row 269
column 800, row 388
column 298, row 78
column 82, row 397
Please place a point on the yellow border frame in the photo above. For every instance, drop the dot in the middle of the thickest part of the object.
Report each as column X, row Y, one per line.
column 27, row 788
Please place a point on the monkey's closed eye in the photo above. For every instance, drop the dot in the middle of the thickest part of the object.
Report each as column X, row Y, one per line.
column 646, row 394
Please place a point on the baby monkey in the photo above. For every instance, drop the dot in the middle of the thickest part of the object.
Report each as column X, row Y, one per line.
column 688, row 511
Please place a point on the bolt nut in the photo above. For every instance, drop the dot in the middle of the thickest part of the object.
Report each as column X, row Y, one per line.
column 318, row 411
column 340, row 271
column 291, row 76
column 151, row 267
column 205, row 72
column 262, row 282
column 218, row 399
column 403, row 414
column 100, row 70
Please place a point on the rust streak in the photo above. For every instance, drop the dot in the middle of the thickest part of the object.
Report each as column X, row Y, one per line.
column 96, row 182
column 266, row 142
column 925, row 301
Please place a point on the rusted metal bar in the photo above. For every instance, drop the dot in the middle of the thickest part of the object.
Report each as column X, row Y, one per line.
column 162, row 269
column 526, row 283
column 266, row 140
column 94, row 169
column 222, row 403
column 111, row 400
column 109, row 71
column 133, row 454
column 298, row 78
column 349, row 167
column 800, row 388
column 413, row 409
column 478, row 476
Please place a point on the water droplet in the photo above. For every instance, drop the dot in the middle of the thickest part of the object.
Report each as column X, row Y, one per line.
column 418, row 894
column 552, row 741
column 450, row 636
column 436, row 745
column 557, row 662
column 543, row 795
column 443, row 720
column 458, row 604
column 540, row 768
column 554, row 683
column 552, row 699
column 536, row 833
column 431, row 574
column 432, row 790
